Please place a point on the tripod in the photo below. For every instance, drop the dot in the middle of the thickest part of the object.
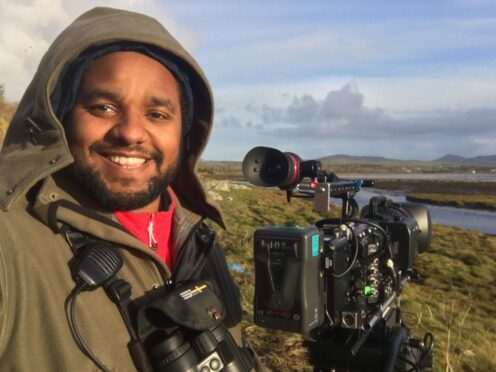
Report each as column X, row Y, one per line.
column 388, row 346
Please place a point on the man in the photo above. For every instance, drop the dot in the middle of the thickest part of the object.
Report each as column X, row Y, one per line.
column 103, row 148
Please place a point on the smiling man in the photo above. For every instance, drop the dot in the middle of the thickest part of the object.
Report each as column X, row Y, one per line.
column 101, row 202
column 124, row 131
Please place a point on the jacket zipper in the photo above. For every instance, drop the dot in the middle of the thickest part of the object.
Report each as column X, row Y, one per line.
column 181, row 249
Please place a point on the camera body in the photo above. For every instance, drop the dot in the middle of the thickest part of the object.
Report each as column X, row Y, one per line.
column 335, row 274
column 338, row 281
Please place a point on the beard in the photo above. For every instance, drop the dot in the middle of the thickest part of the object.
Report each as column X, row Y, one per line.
column 91, row 181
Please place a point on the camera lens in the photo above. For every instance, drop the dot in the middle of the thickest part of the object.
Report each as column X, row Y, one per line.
column 170, row 352
column 265, row 166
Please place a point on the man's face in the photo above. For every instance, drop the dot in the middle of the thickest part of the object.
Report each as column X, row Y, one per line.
column 125, row 131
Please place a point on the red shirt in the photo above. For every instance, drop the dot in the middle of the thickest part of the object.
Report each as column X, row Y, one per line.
column 152, row 229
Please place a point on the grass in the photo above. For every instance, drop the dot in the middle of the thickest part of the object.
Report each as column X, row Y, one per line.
column 454, row 300
column 456, row 200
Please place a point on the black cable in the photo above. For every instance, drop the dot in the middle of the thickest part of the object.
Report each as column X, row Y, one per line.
column 416, row 366
column 354, row 257
column 386, row 236
column 378, row 227
column 427, row 350
column 353, row 208
column 70, row 312
column 390, row 251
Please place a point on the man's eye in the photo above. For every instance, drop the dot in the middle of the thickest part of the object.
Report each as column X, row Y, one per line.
column 157, row 115
column 103, row 109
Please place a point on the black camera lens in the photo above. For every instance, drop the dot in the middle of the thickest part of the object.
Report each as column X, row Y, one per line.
column 170, row 352
column 265, row 166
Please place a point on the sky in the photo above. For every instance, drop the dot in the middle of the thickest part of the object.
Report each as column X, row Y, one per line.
column 400, row 79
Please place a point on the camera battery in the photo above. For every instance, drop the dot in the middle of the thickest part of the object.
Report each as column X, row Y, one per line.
column 288, row 285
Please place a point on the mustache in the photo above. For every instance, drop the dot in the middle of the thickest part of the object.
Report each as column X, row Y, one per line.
column 102, row 147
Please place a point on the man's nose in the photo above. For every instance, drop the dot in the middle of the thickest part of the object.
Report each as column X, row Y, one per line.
column 129, row 129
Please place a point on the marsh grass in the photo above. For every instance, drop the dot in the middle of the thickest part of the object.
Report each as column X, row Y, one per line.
column 457, row 295
column 454, row 300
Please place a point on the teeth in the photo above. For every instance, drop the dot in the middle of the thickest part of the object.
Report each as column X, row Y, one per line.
column 126, row 161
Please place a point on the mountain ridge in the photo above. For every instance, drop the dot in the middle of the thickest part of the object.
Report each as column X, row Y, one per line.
column 487, row 160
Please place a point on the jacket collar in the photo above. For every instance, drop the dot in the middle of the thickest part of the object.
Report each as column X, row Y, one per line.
column 60, row 201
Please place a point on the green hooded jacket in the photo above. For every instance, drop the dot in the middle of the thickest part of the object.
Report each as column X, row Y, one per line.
column 35, row 278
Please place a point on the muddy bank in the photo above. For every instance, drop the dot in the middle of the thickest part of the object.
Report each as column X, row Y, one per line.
column 437, row 187
column 487, row 206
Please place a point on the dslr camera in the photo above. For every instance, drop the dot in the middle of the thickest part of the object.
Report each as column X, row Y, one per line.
column 338, row 281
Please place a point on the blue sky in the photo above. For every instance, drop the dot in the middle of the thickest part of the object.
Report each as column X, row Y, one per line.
column 401, row 79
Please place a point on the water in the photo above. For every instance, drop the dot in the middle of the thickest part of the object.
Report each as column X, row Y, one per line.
column 472, row 219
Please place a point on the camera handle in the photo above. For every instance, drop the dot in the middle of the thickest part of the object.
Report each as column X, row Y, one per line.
column 328, row 185
column 322, row 191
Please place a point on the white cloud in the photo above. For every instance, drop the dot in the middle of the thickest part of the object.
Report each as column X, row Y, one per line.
column 25, row 29
column 405, row 95
column 340, row 120
column 28, row 27
column 400, row 96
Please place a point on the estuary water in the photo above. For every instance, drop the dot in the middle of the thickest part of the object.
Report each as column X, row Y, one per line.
column 472, row 219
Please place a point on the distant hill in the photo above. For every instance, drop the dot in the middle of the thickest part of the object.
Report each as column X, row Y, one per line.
column 341, row 158
column 489, row 160
column 450, row 158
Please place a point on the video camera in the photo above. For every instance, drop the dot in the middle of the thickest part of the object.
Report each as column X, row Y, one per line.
column 338, row 281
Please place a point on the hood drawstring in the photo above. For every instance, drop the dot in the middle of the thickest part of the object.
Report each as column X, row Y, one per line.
column 152, row 241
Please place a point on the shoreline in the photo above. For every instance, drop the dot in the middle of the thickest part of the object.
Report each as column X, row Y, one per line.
column 457, row 194
column 447, row 193
column 437, row 187
column 459, row 203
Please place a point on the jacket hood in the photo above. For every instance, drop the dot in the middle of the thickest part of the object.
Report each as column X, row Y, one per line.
column 35, row 145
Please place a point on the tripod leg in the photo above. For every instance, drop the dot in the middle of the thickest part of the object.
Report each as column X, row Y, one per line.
column 398, row 338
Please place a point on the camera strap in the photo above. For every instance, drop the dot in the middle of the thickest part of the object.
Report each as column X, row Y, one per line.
column 118, row 290
column 192, row 307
